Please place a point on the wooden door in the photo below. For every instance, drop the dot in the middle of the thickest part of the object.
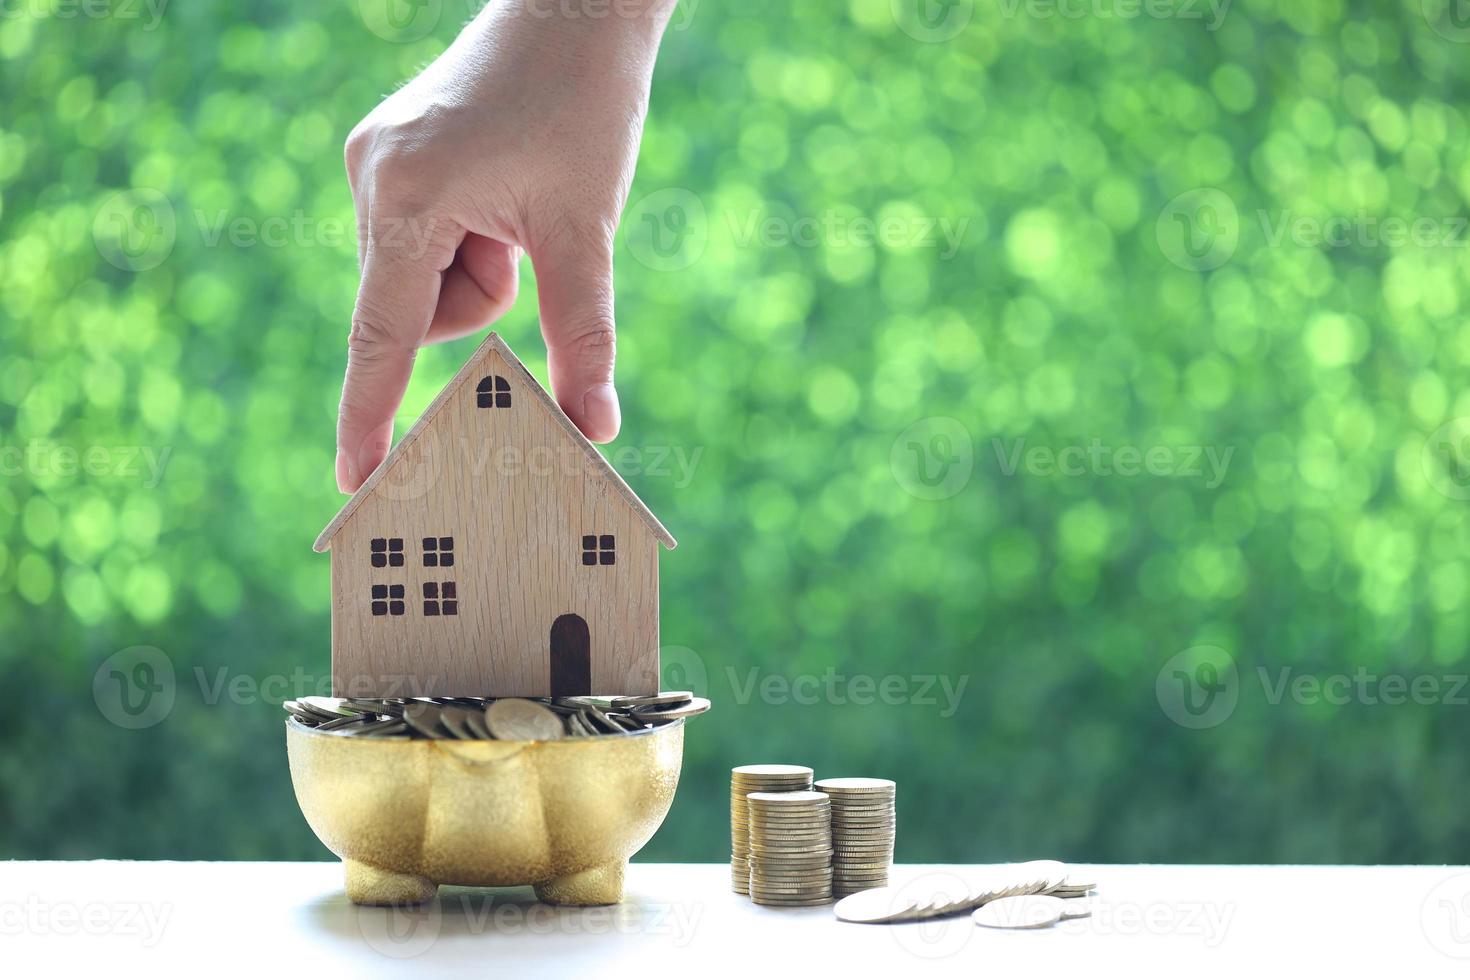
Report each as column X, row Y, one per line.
column 571, row 656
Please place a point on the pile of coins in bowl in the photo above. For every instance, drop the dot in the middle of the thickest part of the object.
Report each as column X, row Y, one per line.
column 506, row 719
column 795, row 843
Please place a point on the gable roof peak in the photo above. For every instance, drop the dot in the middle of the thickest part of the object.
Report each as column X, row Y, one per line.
column 541, row 396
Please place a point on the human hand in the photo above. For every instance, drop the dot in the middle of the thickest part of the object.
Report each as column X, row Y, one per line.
column 523, row 135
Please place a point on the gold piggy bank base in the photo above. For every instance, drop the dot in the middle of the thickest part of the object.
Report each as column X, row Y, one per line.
column 409, row 815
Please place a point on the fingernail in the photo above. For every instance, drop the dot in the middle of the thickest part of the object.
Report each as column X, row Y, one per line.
column 601, row 412
column 344, row 473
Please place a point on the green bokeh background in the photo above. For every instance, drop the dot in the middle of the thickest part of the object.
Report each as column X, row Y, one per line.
column 791, row 374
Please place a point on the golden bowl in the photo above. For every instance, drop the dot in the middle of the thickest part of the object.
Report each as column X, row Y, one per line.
column 406, row 816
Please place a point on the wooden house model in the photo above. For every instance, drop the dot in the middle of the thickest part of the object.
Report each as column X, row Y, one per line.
column 495, row 552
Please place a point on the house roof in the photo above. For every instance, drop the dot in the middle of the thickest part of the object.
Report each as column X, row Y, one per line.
column 494, row 342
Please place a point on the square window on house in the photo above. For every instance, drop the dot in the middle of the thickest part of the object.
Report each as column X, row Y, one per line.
column 388, row 600
column 493, row 391
column 440, row 599
column 438, row 552
column 599, row 549
column 386, row 552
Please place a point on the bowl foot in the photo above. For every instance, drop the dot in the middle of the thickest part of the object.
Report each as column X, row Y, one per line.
column 602, row 885
column 367, row 885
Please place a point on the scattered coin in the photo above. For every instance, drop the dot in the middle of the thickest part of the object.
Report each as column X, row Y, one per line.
column 1024, row 912
column 1046, row 880
column 696, row 706
column 887, row 904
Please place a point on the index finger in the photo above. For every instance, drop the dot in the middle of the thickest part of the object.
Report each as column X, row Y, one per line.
column 395, row 304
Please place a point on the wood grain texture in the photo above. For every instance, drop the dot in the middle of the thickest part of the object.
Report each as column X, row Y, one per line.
column 517, row 493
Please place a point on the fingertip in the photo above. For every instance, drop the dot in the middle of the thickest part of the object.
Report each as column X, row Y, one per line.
column 347, row 481
column 370, row 457
column 601, row 416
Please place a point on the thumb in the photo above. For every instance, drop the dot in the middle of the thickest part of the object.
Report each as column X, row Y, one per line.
column 574, row 278
column 395, row 304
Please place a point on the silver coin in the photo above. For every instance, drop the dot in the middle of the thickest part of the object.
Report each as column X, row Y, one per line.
column 1021, row 912
column 523, row 720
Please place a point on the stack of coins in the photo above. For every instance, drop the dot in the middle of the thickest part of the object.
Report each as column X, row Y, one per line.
column 790, row 848
column 755, row 779
column 863, row 825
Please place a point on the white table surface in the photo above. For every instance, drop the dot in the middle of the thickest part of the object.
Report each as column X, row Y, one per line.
column 169, row 919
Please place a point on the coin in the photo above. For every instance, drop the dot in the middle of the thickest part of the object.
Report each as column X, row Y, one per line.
column 423, row 717
column 520, row 720
column 800, row 798
column 1022, row 912
column 694, row 706
column 770, row 770
column 328, row 707
column 888, row 904
column 651, row 700
column 856, row 784
column 457, row 721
